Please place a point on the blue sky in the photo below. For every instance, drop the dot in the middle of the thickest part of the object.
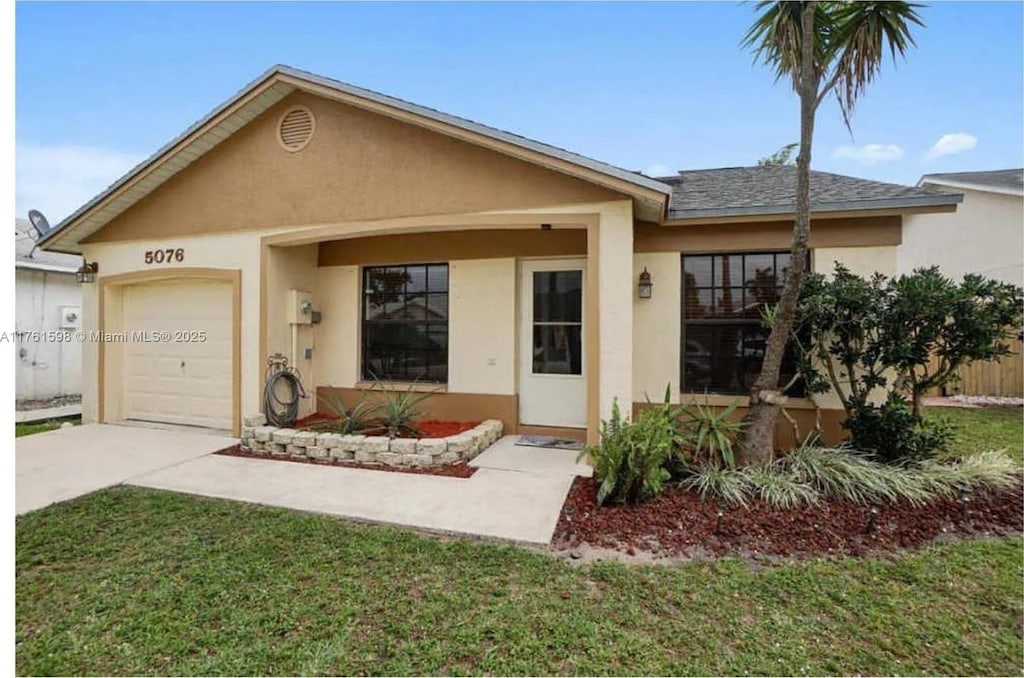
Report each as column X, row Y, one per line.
column 658, row 87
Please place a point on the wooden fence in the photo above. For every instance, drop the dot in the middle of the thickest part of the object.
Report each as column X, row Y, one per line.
column 1004, row 377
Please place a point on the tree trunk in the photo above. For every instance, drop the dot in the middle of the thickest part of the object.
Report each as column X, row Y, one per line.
column 765, row 398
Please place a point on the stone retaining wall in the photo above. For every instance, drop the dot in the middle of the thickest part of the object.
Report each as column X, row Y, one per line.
column 258, row 438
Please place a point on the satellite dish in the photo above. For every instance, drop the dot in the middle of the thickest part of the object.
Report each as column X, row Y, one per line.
column 40, row 226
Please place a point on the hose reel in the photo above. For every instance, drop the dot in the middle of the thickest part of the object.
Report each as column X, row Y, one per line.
column 282, row 392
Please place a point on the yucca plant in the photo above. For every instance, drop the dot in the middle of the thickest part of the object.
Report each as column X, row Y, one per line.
column 345, row 420
column 710, row 438
column 398, row 408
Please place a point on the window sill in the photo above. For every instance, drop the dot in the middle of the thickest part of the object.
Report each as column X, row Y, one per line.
column 719, row 400
column 419, row 387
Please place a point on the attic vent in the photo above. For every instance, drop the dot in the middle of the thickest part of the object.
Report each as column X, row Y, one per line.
column 296, row 129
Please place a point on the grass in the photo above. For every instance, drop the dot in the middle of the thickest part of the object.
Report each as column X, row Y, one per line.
column 42, row 426
column 131, row 581
column 985, row 428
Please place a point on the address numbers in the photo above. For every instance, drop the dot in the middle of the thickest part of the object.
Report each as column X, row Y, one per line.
column 166, row 256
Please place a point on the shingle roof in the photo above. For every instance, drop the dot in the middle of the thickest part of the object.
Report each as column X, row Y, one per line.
column 1005, row 179
column 24, row 244
column 734, row 191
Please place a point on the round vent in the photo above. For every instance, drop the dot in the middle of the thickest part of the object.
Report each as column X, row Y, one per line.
column 296, row 129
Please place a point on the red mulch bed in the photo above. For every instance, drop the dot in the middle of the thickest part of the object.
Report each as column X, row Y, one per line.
column 428, row 429
column 457, row 470
column 677, row 523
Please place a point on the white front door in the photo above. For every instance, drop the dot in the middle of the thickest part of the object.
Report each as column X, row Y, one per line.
column 552, row 369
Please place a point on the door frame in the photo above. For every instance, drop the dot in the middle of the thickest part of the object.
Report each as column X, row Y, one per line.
column 111, row 288
column 524, row 336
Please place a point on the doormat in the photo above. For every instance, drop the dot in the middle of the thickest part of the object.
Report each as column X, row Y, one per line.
column 550, row 442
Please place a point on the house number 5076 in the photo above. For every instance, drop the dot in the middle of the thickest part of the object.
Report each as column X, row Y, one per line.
column 164, row 256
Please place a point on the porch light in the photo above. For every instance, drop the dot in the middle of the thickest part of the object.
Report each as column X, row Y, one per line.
column 645, row 286
column 86, row 273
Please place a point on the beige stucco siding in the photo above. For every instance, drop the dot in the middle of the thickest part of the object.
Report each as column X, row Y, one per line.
column 985, row 236
column 863, row 261
column 359, row 165
column 656, row 326
column 482, row 326
column 336, row 358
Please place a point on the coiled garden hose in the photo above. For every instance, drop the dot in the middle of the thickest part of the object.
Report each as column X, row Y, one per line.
column 282, row 410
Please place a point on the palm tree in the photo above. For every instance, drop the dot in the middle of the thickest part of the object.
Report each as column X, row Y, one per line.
column 825, row 48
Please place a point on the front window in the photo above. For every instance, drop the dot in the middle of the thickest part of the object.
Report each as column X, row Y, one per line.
column 723, row 339
column 405, row 323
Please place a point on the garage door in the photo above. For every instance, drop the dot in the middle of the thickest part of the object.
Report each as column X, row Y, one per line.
column 179, row 382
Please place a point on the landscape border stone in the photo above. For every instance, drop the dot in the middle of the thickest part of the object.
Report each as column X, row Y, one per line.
column 340, row 449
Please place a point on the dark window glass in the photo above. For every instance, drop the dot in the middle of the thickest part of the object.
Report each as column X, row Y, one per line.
column 723, row 340
column 405, row 323
column 557, row 322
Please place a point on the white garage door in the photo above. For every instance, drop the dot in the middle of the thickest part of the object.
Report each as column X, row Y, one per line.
column 179, row 382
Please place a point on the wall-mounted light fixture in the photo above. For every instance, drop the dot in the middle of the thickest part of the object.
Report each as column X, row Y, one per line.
column 645, row 286
column 86, row 273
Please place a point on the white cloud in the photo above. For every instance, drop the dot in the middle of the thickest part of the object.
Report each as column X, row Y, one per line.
column 57, row 180
column 948, row 144
column 658, row 170
column 869, row 154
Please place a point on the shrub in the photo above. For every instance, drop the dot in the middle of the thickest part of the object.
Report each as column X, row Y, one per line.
column 779, row 486
column 891, row 432
column 808, row 474
column 727, row 485
column 710, row 438
column 630, row 460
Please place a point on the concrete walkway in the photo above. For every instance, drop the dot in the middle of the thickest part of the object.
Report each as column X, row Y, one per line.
column 69, row 462
column 516, row 494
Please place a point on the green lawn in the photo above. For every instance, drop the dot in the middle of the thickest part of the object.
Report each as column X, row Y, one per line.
column 130, row 581
column 41, row 426
column 985, row 429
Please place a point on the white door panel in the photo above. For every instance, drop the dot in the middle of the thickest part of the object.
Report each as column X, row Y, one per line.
column 179, row 382
column 552, row 366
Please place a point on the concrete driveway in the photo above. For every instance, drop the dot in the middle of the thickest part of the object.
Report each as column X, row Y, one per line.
column 69, row 462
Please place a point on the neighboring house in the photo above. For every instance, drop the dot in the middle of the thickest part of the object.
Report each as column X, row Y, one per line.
column 436, row 249
column 47, row 299
column 984, row 236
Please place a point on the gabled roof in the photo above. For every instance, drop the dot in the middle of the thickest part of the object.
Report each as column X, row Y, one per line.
column 767, row 190
column 27, row 255
column 1009, row 181
column 280, row 81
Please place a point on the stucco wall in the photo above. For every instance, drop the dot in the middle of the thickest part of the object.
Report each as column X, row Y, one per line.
column 656, row 326
column 482, row 321
column 863, row 261
column 359, row 165
column 44, row 369
column 238, row 251
column 286, row 269
column 985, row 235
